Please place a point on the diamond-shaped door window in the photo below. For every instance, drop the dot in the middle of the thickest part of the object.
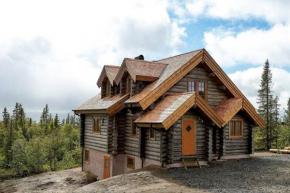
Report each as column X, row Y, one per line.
column 188, row 128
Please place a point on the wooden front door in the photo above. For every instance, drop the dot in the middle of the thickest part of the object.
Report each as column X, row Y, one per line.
column 106, row 167
column 188, row 136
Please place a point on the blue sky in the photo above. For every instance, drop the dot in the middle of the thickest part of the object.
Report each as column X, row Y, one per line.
column 53, row 52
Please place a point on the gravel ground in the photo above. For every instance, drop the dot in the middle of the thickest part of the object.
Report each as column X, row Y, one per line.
column 263, row 172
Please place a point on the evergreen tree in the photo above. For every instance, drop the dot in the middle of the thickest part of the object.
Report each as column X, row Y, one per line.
column 67, row 119
column 6, row 118
column 265, row 100
column 275, row 118
column 56, row 122
column 287, row 114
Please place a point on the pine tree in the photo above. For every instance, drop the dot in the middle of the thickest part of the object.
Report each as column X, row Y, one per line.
column 56, row 122
column 67, row 119
column 275, row 118
column 287, row 114
column 265, row 99
column 6, row 118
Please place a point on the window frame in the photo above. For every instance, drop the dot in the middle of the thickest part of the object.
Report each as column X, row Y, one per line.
column 94, row 122
column 235, row 121
column 129, row 165
column 149, row 134
column 87, row 160
column 132, row 127
column 196, row 86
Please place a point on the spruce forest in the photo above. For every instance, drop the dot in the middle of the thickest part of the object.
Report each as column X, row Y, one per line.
column 30, row 147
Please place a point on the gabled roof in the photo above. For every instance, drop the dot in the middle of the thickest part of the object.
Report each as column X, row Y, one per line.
column 105, row 105
column 232, row 88
column 178, row 66
column 172, row 107
column 228, row 108
column 140, row 70
column 110, row 72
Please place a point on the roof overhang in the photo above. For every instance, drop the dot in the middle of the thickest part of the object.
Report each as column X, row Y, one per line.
column 172, row 108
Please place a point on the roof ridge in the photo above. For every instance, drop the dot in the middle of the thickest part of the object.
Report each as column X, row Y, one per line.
column 114, row 66
column 181, row 54
column 144, row 60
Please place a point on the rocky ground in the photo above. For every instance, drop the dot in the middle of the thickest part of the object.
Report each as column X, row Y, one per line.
column 263, row 172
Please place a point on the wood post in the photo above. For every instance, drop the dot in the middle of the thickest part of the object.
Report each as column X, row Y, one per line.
column 222, row 141
column 82, row 130
column 209, row 138
column 251, row 140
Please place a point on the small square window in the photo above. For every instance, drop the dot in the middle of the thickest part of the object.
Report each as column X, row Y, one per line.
column 130, row 162
column 97, row 125
column 236, row 128
column 87, row 156
column 151, row 134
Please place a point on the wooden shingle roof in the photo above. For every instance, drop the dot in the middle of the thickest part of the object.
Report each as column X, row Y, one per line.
column 172, row 107
column 228, row 108
column 140, row 70
column 110, row 72
column 105, row 105
column 176, row 68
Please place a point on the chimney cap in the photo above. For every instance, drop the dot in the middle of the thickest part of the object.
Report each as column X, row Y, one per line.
column 140, row 57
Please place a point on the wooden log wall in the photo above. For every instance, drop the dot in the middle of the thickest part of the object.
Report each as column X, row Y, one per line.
column 115, row 134
column 214, row 94
column 251, row 140
column 82, row 130
column 216, row 141
column 131, row 144
column 117, row 89
column 121, row 131
column 95, row 141
column 237, row 146
column 155, row 149
column 170, row 144
column 103, row 89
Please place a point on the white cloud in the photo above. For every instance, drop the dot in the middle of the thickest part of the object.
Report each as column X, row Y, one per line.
column 252, row 46
column 248, row 81
column 270, row 10
column 52, row 51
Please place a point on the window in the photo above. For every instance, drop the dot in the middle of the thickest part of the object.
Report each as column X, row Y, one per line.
column 133, row 128
column 97, row 125
column 191, row 86
column 201, row 89
column 130, row 162
column 87, row 155
column 151, row 134
column 236, row 128
column 198, row 86
column 128, row 85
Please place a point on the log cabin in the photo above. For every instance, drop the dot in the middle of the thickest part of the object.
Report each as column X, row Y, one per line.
column 172, row 112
